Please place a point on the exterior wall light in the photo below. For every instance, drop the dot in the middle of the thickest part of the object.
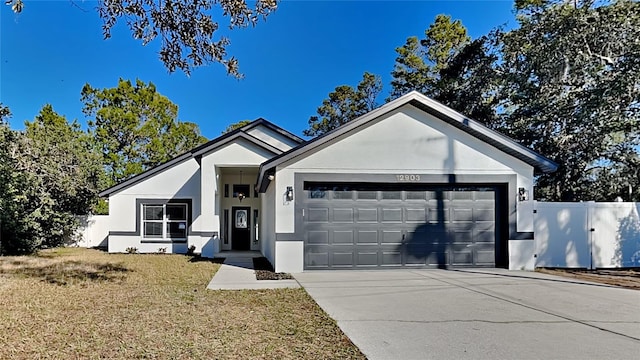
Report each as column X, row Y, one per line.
column 271, row 177
column 289, row 195
column 523, row 194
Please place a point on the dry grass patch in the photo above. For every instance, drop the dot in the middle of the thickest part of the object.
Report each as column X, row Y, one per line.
column 72, row 303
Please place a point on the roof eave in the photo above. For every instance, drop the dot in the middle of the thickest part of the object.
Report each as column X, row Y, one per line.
column 435, row 108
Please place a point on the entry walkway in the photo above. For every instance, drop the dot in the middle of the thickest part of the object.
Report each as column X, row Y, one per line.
column 237, row 273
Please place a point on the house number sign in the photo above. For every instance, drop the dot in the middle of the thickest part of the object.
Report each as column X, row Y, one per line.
column 408, row 177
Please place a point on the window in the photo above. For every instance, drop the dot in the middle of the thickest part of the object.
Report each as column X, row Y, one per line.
column 225, row 226
column 317, row 192
column 241, row 189
column 256, row 219
column 164, row 221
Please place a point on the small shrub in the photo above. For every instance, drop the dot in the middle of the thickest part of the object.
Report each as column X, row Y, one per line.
column 131, row 250
column 162, row 250
column 191, row 250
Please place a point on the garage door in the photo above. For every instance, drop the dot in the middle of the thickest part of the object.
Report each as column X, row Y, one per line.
column 350, row 226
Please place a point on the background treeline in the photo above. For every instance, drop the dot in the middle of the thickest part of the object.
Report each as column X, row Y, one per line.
column 54, row 169
column 564, row 82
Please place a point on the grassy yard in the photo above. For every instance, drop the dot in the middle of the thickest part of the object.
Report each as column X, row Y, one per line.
column 79, row 303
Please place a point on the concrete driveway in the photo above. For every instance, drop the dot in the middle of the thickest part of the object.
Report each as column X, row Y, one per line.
column 478, row 314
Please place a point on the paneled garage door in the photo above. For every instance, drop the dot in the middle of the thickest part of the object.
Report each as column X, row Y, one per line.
column 363, row 226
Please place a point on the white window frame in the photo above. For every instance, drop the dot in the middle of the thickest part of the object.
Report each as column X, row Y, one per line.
column 165, row 221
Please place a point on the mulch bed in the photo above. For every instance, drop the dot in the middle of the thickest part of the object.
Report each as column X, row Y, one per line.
column 628, row 278
column 264, row 270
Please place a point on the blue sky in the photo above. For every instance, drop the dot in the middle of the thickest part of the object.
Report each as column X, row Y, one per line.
column 290, row 62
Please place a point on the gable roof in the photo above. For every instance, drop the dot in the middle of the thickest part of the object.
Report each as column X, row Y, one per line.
column 211, row 145
column 276, row 128
column 430, row 106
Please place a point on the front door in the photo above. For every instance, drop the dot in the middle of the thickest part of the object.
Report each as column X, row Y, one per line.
column 240, row 228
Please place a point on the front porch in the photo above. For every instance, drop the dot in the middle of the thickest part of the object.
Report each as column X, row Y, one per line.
column 238, row 208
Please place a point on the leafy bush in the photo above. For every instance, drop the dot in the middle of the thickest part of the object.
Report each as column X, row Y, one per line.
column 47, row 176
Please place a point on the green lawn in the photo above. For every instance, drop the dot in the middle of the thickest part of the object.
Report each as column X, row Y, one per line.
column 79, row 303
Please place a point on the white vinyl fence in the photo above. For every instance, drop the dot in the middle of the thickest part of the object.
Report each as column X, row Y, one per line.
column 587, row 234
column 93, row 231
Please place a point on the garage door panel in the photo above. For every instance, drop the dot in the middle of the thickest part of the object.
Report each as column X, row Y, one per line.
column 436, row 215
column 367, row 237
column 462, row 257
column 437, row 259
column 416, row 215
column 461, row 237
column 422, row 251
column 462, row 214
column 342, row 195
column 317, row 257
column 486, row 257
column 391, row 258
column 461, row 226
column 367, row 195
column 318, row 215
column 367, row 258
column 343, row 215
column 428, row 235
column 485, row 236
column 461, row 195
column 484, row 214
column 392, row 215
column 416, row 260
column 433, row 196
column 367, row 215
column 391, row 195
column 342, row 258
column 391, row 236
column 318, row 237
column 417, row 195
column 485, row 195
column 417, row 236
column 343, row 237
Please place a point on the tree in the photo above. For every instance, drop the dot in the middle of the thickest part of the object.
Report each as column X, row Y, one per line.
column 16, row 215
column 186, row 28
column 451, row 68
column 572, row 77
column 135, row 128
column 49, row 175
column 5, row 171
column 345, row 104
column 61, row 155
column 419, row 62
column 237, row 125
